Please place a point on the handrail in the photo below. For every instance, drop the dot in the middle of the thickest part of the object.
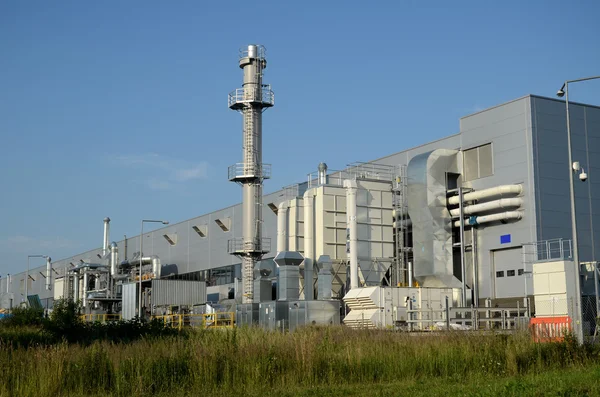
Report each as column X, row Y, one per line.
column 206, row 321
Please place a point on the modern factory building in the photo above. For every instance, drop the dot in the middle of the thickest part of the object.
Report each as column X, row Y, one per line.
column 522, row 142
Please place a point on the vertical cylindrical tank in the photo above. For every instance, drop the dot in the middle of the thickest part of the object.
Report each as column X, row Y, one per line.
column 309, row 241
column 156, row 266
column 282, row 226
column 352, row 233
column 8, row 283
column 75, row 287
column 106, row 236
column 48, row 274
column 84, row 289
column 410, row 274
column 322, row 174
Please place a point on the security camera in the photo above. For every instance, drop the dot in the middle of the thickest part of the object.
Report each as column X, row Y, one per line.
column 583, row 176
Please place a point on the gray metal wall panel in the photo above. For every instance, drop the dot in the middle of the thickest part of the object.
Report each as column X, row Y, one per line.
column 129, row 302
column 178, row 292
column 550, row 135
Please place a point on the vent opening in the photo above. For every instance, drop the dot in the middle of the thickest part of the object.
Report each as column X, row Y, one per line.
column 273, row 207
column 201, row 230
column 171, row 238
column 224, row 224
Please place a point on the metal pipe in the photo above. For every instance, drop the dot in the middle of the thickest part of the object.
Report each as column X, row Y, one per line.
column 578, row 328
column 156, row 266
column 282, row 226
column 352, row 233
column 75, row 287
column 486, row 193
column 491, row 205
column 475, row 268
column 478, row 220
column 114, row 258
column 462, row 247
column 48, row 274
column 309, row 241
column 85, row 288
column 141, row 260
column 596, row 290
column 410, row 274
column 322, row 174
column 106, row 234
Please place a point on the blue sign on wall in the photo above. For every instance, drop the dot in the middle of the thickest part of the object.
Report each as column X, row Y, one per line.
column 505, row 239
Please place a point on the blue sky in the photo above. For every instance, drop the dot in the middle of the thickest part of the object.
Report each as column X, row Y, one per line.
column 119, row 108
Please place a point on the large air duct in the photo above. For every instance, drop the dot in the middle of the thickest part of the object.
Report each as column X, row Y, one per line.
column 48, row 274
column 156, row 266
column 325, row 278
column 106, row 236
column 309, row 243
column 251, row 100
column 76, row 287
column 289, row 275
column 431, row 221
column 282, row 239
column 352, row 232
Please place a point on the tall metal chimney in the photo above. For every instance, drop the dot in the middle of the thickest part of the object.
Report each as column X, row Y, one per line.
column 251, row 101
column 106, row 236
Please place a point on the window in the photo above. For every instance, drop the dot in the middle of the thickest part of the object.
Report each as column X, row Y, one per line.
column 510, row 273
column 171, row 238
column 224, row 224
column 477, row 162
column 499, row 274
column 520, row 272
column 201, row 230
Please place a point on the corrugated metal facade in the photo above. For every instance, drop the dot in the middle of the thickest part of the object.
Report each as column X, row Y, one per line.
column 178, row 292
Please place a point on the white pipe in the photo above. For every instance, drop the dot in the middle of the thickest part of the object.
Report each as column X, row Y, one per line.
column 7, row 283
column 86, row 280
column 508, row 215
column 351, row 190
column 322, row 174
column 75, row 287
column 410, row 274
column 156, row 268
column 491, row 192
column 114, row 258
column 106, row 233
column 309, row 241
column 48, row 274
column 491, row 205
column 282, row 242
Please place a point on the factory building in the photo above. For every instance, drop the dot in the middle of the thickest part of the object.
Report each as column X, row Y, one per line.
column 459, row 213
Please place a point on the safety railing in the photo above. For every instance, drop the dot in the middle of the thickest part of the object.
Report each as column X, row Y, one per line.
column 240, row 246
column 261, row 52
column 206, row 321
column 264, row 96
column 102, row 318
column 468, row 318
column 240, row 171
column 556, row 249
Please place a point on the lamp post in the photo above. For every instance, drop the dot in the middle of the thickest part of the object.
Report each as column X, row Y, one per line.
column 573, row 168
column 27, row 274
column 141, row 259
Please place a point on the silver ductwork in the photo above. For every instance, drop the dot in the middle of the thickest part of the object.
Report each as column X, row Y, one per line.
column 106, row 236
column 431, row 220
column 325, row 278
column 322, row 174
column 48, row 274
column 114, row 258
column 8, row 283
column 289, row 275
column 156, row 267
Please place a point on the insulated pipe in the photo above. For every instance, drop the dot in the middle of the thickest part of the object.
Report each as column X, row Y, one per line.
column 410, row 274
column 282, row 242
column 475, row 269
column 114, row 258
column 477, row 220
column 156, row 268
column 492, row 205
column 7, row 283
column 48, row 274
column 106, row 233
column 309, row 241
column 86, row 279
column 351, row 190
column 491, row 192
column 461, row 224
column 75, row 287
column 322, row 174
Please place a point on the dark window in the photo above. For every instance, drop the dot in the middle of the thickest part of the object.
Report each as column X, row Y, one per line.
column 500, row 274
column 520, row 272
column 510, row 273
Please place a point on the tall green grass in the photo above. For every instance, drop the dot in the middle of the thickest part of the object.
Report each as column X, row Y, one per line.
column 257, row 362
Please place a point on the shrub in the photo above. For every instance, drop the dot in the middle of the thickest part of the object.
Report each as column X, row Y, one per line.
column 23, row 317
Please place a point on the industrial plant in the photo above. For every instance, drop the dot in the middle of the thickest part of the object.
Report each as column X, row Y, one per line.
column 471, row 231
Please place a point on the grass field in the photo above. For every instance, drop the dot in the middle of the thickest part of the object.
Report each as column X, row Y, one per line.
column 310, row 362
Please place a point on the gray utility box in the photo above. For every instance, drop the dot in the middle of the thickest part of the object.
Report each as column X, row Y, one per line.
column 246, row 314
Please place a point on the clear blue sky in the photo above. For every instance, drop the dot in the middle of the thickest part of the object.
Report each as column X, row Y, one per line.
column 119, row 108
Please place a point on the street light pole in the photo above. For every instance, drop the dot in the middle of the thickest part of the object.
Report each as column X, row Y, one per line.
column 27, row 274
column 564, row 91
column 141, row 260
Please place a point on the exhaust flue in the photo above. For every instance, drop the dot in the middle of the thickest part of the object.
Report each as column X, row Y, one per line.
column 251, row 100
